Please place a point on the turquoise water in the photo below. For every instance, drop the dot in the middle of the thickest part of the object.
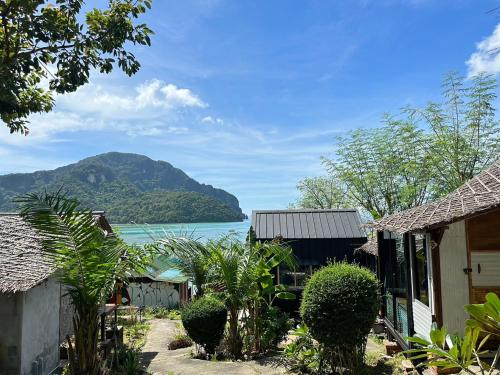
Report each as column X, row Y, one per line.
column 141, row 234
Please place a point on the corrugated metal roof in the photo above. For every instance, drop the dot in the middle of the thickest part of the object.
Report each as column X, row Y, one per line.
column 295, row 224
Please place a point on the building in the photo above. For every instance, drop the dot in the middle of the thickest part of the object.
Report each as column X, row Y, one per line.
column 35, row 314
column 159, row 286
column 316, row 237
column 438, row 257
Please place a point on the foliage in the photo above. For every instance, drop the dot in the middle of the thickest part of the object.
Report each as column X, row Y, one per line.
column 452, row 351
column 88, row 261
column 303, row 354
column 384, row 169
column 339, row 305
column 422, row 154
column 204, row 320
column 323, row 192
column 180, row 341
column 56, row 42
column 128, row 361
column 275, row 327
column 174, row 314
column 486, row 316
column 156, row 312
column 243, row 273
column 189, row 256
column 130, row 188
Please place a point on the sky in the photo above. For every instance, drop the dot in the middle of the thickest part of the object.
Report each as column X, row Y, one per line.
column 248, row 95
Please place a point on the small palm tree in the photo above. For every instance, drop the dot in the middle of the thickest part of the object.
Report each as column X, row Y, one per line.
column 189, row 256
column 88, row 261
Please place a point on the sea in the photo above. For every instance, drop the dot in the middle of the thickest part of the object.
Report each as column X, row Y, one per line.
column 146, row 233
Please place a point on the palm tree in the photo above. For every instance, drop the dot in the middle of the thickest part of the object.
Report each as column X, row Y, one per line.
column 88, row 261
column 243, row 273
column 189, row 256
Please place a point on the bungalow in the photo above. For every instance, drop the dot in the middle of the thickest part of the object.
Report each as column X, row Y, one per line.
column 35, row 314
column 435, row 258
column 316, row 236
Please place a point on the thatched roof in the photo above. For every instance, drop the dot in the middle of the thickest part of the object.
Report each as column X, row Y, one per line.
column 369, row 247
column 23, row 264
column 480, row 194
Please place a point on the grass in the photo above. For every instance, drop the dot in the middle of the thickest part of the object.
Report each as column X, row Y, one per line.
column 161, row 313
column 134, row 331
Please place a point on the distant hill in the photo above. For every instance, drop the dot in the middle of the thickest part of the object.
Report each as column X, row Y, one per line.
column 129, row 187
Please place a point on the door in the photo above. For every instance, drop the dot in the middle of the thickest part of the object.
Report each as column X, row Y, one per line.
column 483, row 237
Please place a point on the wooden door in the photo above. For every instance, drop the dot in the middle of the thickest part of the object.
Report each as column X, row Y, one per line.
column 483, row 237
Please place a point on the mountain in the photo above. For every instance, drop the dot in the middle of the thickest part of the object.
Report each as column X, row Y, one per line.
column 129, row 187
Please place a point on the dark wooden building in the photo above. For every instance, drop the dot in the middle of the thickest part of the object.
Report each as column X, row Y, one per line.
column 316, row 236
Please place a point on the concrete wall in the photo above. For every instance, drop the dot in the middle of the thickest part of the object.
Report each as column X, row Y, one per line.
column 153, row 294
column 66, row 313
column 11, row 310
column 454, row 282
column 40, row 329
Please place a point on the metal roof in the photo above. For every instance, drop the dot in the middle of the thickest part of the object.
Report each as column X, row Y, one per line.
column 307, row 223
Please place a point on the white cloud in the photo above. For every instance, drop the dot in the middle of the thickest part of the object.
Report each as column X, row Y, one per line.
column 487, row 57
column 212, row 120
column 150, row 96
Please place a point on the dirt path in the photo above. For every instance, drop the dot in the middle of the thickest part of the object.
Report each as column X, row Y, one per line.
column 161, row 361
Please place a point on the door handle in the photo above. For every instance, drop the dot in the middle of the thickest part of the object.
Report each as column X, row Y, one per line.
column 479, row 268
column 467, row 270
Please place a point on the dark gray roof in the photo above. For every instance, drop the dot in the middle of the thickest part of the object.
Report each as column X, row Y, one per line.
column 307, row 223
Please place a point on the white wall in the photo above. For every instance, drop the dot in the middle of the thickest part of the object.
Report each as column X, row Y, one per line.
column 454, row 282
column 40, row 329
column 154, row 294
column 11, row 310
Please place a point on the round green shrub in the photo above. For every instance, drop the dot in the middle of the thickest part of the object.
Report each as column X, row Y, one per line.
column 204, row 320
column 340, row 304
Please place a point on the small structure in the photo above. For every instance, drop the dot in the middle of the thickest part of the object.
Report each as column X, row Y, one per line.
column 35, row 316
column 316, row 236
column 160, row 285
column 435, row 258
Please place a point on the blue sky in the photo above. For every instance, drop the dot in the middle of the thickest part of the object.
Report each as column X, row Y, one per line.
column 247, row 95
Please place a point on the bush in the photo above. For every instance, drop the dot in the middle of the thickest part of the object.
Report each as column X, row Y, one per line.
column 275, row 328
column 339, row 305
column 204, row 320
column 180, row 341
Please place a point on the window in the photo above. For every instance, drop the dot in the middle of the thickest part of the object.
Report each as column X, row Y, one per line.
column 421, row 270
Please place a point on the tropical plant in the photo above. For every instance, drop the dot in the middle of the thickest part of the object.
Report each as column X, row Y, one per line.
column 242, row 272
column 324, row 192
column 189, row 256
column 204, row 320
column 339, row 305
column 449, row 351
column 54, row 41
column 486, row 316
column 303, row 354
column 452, row 351
column 88, row 261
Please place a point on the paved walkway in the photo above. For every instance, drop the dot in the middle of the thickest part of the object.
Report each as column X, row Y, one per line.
column 161, row 361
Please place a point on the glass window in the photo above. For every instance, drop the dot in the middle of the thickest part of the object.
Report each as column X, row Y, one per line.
column 421, row 270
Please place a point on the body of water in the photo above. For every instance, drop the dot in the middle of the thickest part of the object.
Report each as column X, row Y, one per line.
column 144, row 233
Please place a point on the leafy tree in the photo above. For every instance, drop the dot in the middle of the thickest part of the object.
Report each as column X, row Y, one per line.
column 385, row 169
column 88, row 261
column 55, row 41
column 466, row 135
column 324, row 192
column 422, row 154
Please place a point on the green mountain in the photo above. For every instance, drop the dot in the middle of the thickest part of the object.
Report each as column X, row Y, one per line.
column 130, row 188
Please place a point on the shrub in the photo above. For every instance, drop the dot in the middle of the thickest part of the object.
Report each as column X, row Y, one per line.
column 180, row 341
column 275, row 327
column 204, row 320
column 339, row 305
